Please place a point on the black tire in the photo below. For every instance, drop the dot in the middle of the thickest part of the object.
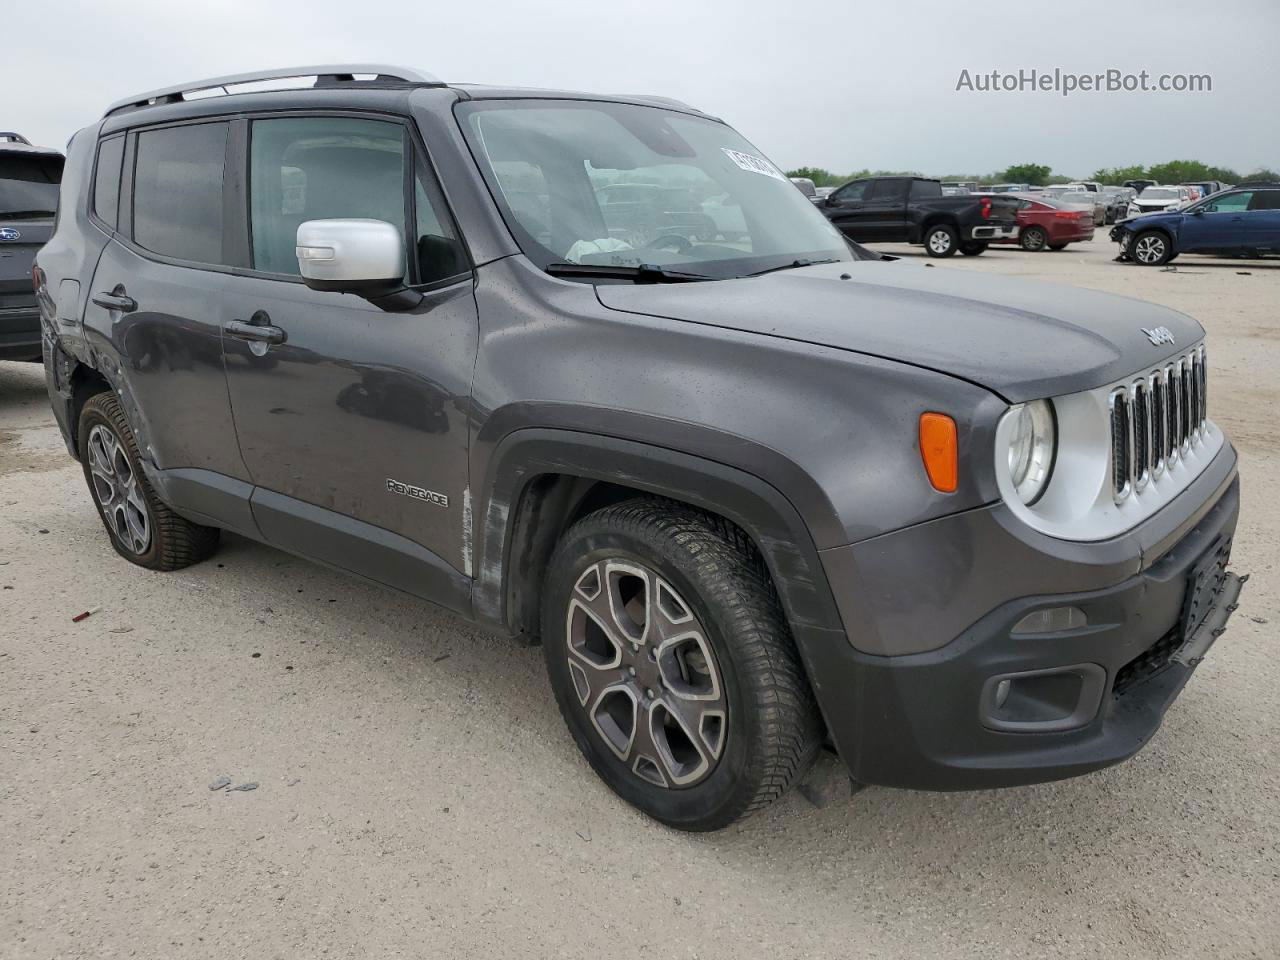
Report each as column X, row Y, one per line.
column 941, row 240
column 973, row 249
column 1033, row 239
column 1151, row 248
column 1057, row 246
column 768, row 729
column 172, row 542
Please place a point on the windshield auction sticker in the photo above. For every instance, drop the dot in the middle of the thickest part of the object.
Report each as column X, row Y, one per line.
column 746, row 161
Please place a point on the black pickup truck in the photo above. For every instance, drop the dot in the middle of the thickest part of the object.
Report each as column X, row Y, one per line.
column 913, row 209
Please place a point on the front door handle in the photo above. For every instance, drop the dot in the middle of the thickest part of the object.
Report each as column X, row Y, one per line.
column 260, row 333
column 116, row 300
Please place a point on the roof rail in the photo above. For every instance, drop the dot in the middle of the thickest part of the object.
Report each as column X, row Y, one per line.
column 8, row 136
column 340, row 72
column 662, row 101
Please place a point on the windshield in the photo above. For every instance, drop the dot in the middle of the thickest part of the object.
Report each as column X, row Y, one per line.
column 1155, row 193
column 624, row 185
column 29, row 184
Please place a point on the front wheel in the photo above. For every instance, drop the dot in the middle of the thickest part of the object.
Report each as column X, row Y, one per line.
column 1151, row 248
column 673, row 666
column 941, row 240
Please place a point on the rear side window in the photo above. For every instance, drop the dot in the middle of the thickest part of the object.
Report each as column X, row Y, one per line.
column 177, row 192
column 1266, row 200
column 924, row 189
column 106, row 181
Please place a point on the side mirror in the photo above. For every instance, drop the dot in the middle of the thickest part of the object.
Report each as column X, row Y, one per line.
column 1197, row 212
column 364, row 257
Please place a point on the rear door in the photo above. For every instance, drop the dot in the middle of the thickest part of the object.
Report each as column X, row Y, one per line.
column 155, row 303
column 354, row 424
column 1263, row 220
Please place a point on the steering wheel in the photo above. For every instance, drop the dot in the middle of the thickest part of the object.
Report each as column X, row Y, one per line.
column 681, row 244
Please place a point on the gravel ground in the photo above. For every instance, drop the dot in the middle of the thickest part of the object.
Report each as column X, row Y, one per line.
column 418, row 796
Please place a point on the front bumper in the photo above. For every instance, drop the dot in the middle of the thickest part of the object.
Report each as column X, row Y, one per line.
column 1077, row 700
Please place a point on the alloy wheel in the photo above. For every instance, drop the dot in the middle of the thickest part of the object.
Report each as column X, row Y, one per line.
column 645, row 673
column 940, row 241
column 116, row 487
column 1149, row 250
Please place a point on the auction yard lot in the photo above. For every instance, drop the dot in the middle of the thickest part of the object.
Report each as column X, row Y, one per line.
column 418, row 794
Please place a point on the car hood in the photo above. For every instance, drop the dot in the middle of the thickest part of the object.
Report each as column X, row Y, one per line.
column 1019, row 338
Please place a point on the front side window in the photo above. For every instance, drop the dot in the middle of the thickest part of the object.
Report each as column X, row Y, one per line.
column 177, row 192
column 625, row 185
column 1231, row 203
column 320, row 168
column 852, row 192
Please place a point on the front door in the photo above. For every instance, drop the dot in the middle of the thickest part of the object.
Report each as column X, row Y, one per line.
column 1222, row 225
column 353, row 420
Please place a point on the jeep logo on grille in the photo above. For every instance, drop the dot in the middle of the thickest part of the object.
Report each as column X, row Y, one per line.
column 8, row 233
column 1159, row 335
column 417, row 493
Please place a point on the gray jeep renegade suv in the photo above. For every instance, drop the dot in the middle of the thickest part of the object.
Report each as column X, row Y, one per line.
column 589, row 370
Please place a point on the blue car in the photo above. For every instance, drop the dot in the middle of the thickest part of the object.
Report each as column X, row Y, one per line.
column 1244, row 220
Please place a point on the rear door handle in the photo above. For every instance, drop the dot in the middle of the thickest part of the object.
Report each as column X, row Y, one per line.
column 116, row 301
column 261, row 333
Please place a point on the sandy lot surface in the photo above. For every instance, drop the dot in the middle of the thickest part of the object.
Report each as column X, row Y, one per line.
column 419, row 797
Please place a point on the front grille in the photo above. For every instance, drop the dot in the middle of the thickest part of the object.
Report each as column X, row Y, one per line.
column 1155, row 419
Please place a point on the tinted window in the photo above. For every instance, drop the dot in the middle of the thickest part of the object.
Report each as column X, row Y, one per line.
column 851, row 192
column 177, row 193
column 887, row 190
column 1266, row 200
column 320, row 168
column 106, row 181
column 29, row 184
column 924, row 189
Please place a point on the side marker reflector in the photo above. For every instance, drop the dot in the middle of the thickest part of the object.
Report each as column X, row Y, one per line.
column 939, row 451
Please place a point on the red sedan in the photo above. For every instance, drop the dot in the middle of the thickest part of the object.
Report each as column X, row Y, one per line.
column 1047, row 223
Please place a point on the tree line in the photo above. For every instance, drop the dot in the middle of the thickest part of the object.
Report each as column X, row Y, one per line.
column 1040, row 175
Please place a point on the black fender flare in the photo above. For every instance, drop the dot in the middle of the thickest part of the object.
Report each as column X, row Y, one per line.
column 760, row 509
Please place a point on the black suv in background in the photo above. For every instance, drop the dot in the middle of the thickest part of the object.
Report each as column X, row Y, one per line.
column 29, row 178
column 752, row 491
column 914, row 210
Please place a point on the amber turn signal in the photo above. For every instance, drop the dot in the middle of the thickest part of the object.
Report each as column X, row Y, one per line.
column 939, row 451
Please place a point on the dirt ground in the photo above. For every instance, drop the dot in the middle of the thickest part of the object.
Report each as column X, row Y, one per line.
column 418, row 795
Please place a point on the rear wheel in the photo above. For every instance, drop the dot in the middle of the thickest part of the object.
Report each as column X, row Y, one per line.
column 973, row 249
column 1034, row 239
column 941, row 240
column 1151, row 248
column 142, row 529
column 673, row 665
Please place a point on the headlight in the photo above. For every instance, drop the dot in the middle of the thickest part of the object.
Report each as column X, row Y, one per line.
column 1032, row 444
column 1134, row 210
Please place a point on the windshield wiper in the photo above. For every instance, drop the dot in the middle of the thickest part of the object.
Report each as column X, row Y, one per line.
column 801, row 262
column 645, row 273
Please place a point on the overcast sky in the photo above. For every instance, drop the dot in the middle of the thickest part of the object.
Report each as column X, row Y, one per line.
column 863, row 85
